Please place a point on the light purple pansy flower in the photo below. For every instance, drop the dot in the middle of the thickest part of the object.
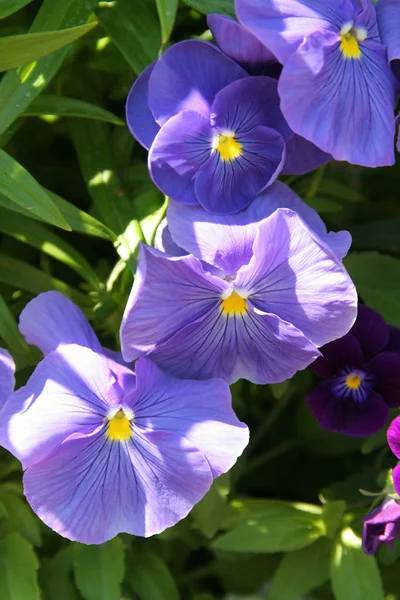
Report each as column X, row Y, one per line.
column 106, row 450
column 336, row 87
column 381, row 526
column 388, row 12
column 7, row 380
column 255, row 297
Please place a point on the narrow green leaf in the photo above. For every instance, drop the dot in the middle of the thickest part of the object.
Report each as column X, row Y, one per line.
column 354, row 574
column 48, row 104
column 150, row 578
column 18, row 566
column 8, row 7
column 133, row 28
column 167, row 13
column 302, row 571
column 99, row 570
column 39, row 236
column 18, row 50
column 20, row 187
column 11, row 335
column 30, row 279
column 19, row 87
column 224, row 7
column 377, row 278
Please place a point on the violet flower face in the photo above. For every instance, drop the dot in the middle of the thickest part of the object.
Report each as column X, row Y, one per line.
column 106, row 450
column 381, row 526
column 7, row 381
column 336, row 88
column 254, row 298
column 362, row 373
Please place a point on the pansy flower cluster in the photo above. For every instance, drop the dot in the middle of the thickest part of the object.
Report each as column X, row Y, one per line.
column 244, row 280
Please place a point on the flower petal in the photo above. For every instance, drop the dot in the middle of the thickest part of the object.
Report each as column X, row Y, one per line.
column 7, row 380
column 259, row 347
column 240, row 45
column 300, row 279
column 393, row 438
column 388, row 14
column 70, row 392
column 394, row 340
column 282, row 26
column 227, row 186
column 51, row 319
column 89, row 489
column 139, row 117
column 377, row 525
column 303, row 156
column 163, row 240
column 386, row 369
column 168, row 292
column 180, row 148
column 371, row 331
column 187, row 77
column 345, row 415
column 344, row 106
column 343, row 353
column 200, row 411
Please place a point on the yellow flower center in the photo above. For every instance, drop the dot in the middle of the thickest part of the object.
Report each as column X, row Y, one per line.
column 353, row 381
column 228, row 147
column 234, row 305
column 350, row 38
column 119, row 427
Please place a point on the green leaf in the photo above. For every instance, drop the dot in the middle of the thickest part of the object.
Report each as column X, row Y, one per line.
column 20, row 517
column 99, row 570
column 56, row 576
column 377, row 235
column 48, row 104
column 354, row 574
column 20, row 187
column 22, row 276
column 377, row 278
column 332, row 514
column 302, row 571
column 8, row 7
column 374, row 441
column 210, row 511
column 150, row 578
column 11, row 334
column 134, row 29
column 18, row 565
column 167, row 13
column 17, row 50
column 19, row 88
column 224, row 7
column 271, row 526
column 39, row 236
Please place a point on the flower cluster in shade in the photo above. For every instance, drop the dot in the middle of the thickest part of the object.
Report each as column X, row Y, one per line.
column 252, row 295
column 362, row 373
column 215, row 132
column 337, row 87
column 106, row 449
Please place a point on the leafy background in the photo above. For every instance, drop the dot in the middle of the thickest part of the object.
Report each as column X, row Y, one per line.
column 75, row 201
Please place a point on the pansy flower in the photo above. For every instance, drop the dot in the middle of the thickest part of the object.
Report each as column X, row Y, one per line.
column 7, row 380
column 105, row 449
column 388, row 12
column 362, row 373
column 381, row 526
column 336, row 88
column 393, row 438
column 255, row 297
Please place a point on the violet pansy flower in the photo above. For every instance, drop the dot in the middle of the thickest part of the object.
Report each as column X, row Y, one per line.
column 7, row 380
column 336, row 88
column 105, row 449
column 254, row 299
column 362, row 373
column 381, row 526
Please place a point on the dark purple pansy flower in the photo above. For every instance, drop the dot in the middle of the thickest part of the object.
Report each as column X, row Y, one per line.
column 362, row 370
column 256, row 295
column 105, row 449
column 336, row 88
column 7, row 381
column 381, row 526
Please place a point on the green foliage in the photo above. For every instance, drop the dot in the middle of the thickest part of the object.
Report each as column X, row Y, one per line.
column 224, row 7
column 18, row 565
column 99, row 570
column 150, row 579
column 166, row 13
column 49, row 104
column 8, row 7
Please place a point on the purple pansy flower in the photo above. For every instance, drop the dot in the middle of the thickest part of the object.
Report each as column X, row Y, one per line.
column 254, row 299
column 336, row 87
column 362, row 372
column 106, row 450
column 381, row 526
column 7, row 380
column 393, row 438
column 388, row 12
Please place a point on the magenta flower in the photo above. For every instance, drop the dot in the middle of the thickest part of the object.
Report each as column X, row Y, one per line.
column 336, row 88
column 362, row 372
column 381, row 526
column 254, row 299
column 106, row 450
column 7, row 381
